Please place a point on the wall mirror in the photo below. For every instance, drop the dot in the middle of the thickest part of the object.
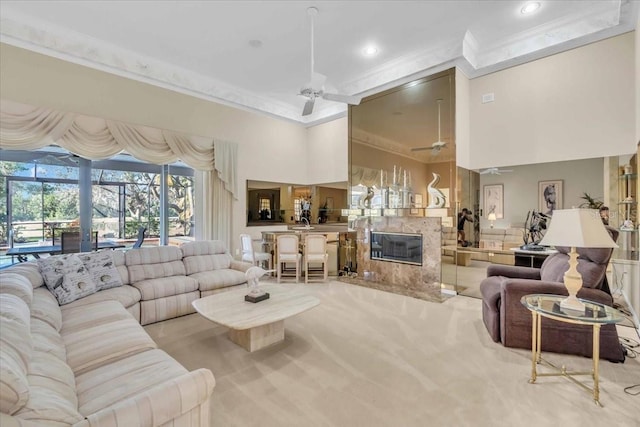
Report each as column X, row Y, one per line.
column 278, row 203
column 404, row 138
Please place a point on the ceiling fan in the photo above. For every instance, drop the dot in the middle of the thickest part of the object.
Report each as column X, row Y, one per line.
column 494, row 171
column 315, row 88
column 439, row 144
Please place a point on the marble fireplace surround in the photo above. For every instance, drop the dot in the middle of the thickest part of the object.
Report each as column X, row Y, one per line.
column 400, row 278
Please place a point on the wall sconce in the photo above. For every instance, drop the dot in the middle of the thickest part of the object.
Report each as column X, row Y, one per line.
column 491, row 217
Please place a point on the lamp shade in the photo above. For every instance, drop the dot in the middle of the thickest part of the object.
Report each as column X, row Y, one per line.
column 491, row 216
column 578, row 228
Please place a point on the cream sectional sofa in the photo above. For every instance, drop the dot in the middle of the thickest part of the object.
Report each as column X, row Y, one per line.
column 90, row 362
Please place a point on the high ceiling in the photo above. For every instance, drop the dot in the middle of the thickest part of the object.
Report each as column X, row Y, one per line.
column 256, row 54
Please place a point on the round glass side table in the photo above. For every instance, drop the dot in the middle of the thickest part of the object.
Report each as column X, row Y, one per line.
column 594, row 314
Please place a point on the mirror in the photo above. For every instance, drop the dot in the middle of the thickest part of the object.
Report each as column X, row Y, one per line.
column 401, row 142
column 398, row 140
column 277, row 203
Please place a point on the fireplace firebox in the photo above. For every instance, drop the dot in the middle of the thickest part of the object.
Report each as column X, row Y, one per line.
column 396, row 247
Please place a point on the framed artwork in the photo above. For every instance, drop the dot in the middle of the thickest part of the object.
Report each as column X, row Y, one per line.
column 549, row 196
column 493, row 200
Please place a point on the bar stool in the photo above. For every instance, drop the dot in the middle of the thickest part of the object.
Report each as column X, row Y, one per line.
column 287, row 252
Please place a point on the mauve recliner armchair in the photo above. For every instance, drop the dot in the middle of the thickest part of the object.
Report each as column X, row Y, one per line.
column 509, row 322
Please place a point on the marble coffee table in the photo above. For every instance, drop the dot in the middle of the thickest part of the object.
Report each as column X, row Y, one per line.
column 256, row 325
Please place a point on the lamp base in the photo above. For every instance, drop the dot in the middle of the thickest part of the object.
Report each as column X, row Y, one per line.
column 572, row 303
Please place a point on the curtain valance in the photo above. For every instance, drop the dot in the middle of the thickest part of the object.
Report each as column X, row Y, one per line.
column 29, row 128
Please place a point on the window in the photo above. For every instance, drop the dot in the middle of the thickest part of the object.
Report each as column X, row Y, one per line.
column 40, row 191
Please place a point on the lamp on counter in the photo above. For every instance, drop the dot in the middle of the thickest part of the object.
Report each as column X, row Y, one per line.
column 576, row 228
column 491, row 217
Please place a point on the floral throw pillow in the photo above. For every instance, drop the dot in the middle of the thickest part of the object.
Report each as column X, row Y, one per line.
column 66, row 277
column 102, row 269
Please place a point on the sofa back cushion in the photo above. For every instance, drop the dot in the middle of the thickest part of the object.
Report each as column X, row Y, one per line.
column 18, row 285
column 45, row 307
column 16, row 349
column 119, row 261
column 154, row 262
column 205, row 256
column 29, row 270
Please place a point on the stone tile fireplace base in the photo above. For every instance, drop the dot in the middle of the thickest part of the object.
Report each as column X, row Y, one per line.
column 418, row 281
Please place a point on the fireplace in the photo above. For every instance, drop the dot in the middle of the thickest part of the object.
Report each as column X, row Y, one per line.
column 404, row 248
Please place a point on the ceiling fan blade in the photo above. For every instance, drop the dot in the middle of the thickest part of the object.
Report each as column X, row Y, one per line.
column 347, row 99
column 421, row 148
column 308, row 107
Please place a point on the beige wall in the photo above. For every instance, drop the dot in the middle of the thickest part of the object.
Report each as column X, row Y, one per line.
column 577, row 104
column 637, row 73
column 327, row 156
column 463, row 137
column 266, row 145
column 521, row 187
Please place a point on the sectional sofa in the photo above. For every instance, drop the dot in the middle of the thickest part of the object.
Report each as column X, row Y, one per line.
column 89, row 362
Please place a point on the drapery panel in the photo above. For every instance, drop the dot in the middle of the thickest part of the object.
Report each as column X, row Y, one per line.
column 24, row 127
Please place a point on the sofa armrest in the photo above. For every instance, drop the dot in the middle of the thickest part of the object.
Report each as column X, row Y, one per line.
column 240, row 265
column 513, row 271
column 161, row 404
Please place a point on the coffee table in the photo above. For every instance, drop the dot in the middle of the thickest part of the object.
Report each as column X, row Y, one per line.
column 256, row 325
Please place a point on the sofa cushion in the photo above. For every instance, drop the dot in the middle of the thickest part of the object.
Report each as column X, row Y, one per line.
column 205, row 256
column 49, row 372
column 203, row 247
column 92, row 347
column 141, row 272
column 165, row 286
column 121, row 266
column 102, row 268
column 126, row 295
column 217, row 279
column 45, row 307
column 154, row 262
column 30, row 270
column 46, row 407
column 67, row 277
column 47, row 339
column 120, row 380
column 18, row 285
column 15, row 353
column 83, row 316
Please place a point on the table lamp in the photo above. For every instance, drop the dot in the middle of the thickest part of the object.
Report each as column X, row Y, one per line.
column 491, row 217
column 576, row 228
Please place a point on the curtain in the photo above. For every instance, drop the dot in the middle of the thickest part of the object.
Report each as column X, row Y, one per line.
column 24, row 127
column 96, row 139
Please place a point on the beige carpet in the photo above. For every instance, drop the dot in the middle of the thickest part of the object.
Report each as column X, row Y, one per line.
column 364, row 357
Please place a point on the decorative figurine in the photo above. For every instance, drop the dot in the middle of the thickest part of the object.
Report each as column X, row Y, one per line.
column 253, row 275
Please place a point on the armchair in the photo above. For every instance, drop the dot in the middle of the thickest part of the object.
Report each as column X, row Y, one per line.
column 509, row 322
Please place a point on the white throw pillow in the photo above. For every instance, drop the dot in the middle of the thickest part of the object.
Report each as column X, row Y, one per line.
column 66, row 277
column 102, row 268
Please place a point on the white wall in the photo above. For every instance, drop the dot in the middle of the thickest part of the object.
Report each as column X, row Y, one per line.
column 521, row 187
column 573, row 105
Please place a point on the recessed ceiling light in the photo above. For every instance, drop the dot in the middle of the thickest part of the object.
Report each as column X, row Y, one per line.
column 255, row 43
column 370, row 51
column 530, row 7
